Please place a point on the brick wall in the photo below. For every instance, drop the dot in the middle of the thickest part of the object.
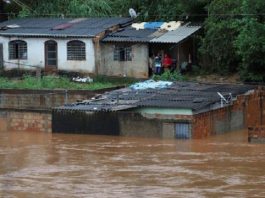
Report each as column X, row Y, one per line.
column 256, row 134
column 25, row 121
column 247, row 110
column 43, row 99
column 255, row 108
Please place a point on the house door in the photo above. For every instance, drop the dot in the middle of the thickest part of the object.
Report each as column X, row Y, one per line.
column 183, row 131
column 51, row 56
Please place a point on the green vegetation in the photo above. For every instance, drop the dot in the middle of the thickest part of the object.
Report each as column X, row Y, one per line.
column 55, row 82
column 234, row 38
column 147, row 9
column 169, row 76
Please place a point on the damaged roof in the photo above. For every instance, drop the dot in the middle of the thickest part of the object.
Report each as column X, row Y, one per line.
column 130, row 34
column 177, row 35
column 179, row 95
column 60, row 27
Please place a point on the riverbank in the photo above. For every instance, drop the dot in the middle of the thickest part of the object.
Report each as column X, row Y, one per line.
column 63, row 82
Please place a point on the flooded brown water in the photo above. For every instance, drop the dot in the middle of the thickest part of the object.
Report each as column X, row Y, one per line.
column 59, row 165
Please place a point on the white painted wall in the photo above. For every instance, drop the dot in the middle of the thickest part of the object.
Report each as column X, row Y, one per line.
column 36, row 55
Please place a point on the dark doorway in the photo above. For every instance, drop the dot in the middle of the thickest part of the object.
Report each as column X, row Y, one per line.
column 51, row 56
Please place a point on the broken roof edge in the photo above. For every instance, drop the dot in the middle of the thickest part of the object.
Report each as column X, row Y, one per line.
column 169, row 37
column 176, row 36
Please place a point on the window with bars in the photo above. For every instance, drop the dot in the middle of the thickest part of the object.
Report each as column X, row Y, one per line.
column 76, row 50
column 123, row 53
column 18, row 49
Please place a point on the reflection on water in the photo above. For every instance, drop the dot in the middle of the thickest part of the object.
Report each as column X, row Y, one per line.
column 58, row 165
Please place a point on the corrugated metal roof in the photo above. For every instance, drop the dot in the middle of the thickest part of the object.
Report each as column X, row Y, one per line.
column 43, row 27
column 151, row 35
column 180, row 95
column 177, row 35
column 131, row 35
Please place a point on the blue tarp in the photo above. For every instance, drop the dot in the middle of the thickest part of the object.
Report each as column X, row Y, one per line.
column 152, row 25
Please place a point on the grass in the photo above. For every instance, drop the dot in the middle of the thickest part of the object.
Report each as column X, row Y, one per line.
column 58, row 82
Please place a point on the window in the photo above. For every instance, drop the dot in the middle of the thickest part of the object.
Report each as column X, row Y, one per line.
column 17, row 49
column 76, row 50
column 123, row 53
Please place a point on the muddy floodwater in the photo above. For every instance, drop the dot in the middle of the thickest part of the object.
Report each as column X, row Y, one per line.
column 57, row 165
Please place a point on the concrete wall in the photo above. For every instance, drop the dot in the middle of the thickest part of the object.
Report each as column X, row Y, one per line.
column 134, row 124
column 36, row 54
column 137, row 68
column 25, row 121
column 42, row 99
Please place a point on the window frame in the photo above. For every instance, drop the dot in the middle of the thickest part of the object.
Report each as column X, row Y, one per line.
column 122, row 53
column 76, row 50
column 17, row 50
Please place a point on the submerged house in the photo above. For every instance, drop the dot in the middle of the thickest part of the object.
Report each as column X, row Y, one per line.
column 127, row 51
column 180, row 110
column 55, row 43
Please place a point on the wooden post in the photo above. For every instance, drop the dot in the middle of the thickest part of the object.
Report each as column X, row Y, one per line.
column 1, row 57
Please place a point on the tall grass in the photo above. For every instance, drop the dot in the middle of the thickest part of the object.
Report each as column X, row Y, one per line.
column 58, row 82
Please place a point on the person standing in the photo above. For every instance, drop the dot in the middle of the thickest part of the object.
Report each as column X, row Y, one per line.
column 167, row 62
column 158, row 65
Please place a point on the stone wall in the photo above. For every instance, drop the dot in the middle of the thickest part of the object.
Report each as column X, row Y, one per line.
column 25, row 121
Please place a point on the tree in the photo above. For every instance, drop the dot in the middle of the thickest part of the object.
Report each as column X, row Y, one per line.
column 250, row 43
column 221, row 29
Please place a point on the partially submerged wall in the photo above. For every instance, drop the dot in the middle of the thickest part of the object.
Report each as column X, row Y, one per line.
column 256, row 134
column 82, row 122
column 246, row 111
column 134, row 124
column 42, row 99
column 25, row 121
column 218, row 121
column 30, row 110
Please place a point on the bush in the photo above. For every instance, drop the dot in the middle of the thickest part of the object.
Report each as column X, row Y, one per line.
column 169, row 76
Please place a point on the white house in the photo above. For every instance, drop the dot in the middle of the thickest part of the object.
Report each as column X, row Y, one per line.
column 55, row 43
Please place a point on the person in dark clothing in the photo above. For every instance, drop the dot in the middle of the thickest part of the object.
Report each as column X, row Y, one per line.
column 158, row 65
